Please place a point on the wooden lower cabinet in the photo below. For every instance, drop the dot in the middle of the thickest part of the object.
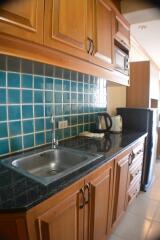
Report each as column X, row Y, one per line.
column 98, row 208
column 89, row 209
column 121, row 179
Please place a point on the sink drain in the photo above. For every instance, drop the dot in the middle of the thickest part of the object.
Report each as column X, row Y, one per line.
column 52, row 171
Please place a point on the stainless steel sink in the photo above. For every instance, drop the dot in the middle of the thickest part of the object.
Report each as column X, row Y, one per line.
column 49, row 165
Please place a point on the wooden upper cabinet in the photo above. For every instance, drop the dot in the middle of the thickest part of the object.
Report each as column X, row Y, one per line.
column 103, row 38
column 100, row 199
column 23, row 19
column 122, row 30
column 121, row 177
column 65, row 26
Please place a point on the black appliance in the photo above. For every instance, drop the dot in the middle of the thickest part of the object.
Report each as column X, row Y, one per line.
column 142, row 119
column 104, row 122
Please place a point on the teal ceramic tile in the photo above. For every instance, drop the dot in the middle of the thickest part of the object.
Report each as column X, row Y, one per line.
column 39, row 137
column 80, row 129
column 49, row 70
column 13, row 96
column 80, row 77
column 67, row 118
column 28, row 126
column 48, row 136
column 3, row 62
column 27, row 81
column 80, row 108
column 58, row 109
column 74, row 75
column 74, row 131
column 66, row 74
column 74, row 97
column 28, row 141
column 74, row 108
column 38, row 82
column 80, row 87
column 58, row 85
column 91, row 79
column 26, row 66
column 74, row 120
column 66, row 85
column 86, row 98
column 3, row 113
column 4, row 149
column 86, row 127
column 58, row 72
column 38, row 110
column 13, row 80
column 66, row 97
column 86, row 118
column 2, row 96
column 27, row 111
column 86, row 108
column 15, row 128
column 13, row 64
column 92, row 127
column 14, row 112
column 49, row 125
column 49, row 110
column 38, row 96
column 80, row 98
column 16, row 144
column 27, row 96
column 86, row 78
column 38, row 68
column 39, row 125
column 92, row 118
column 49, row 97
column 67, row 132
column 59, row 134
column 2, row 79
column 49, row 83
column 3, row 130
column 66, row 109
column 74, row 86
column 80, row 119
column 58, row 97
column 86, row 88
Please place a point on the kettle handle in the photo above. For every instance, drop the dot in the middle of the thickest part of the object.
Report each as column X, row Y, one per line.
column 107, row 117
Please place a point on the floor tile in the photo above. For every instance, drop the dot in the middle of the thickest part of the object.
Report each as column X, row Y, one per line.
column 154, row 232
column 114, row 237
column 156, row 216
column 145, row 207
column 133, row 227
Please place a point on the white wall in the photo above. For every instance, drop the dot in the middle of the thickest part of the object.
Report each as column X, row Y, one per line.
column 116, row 97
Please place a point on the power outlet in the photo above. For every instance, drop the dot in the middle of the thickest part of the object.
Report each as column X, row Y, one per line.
column 62, row 124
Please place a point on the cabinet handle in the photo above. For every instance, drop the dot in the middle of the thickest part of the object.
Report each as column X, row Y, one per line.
column 89, row 45
column 92, row 48
column 83, row 198
column 130, row 159
column 87, row 188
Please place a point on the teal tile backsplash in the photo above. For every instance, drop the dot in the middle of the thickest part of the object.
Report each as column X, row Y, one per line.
column 31, row 92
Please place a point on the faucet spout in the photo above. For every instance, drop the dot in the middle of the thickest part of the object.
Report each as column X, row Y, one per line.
column 54, row 140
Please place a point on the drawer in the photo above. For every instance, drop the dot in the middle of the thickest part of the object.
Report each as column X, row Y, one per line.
column 138, row 148
column 133, row 190
column 135, row 170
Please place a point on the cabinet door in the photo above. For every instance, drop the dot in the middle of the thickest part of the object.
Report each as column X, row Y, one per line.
column 99, row 206
column 121, row 178
column 66, row 26
column 122, row 30
column 23, row 19
column 64, row 220
column 103, row 42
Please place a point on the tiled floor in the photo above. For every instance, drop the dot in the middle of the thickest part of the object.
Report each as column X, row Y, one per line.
column 142, row 220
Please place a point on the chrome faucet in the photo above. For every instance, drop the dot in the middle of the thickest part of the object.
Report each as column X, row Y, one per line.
column 54, row 140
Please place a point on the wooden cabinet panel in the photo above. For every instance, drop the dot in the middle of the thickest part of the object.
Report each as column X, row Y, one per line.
column 66, row 26
column 103, row 31
column 100, row 203
column 121, row 178
column 63, row 221
column 23, row 19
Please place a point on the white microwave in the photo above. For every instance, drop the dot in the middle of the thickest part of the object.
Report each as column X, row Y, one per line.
column 121, row 61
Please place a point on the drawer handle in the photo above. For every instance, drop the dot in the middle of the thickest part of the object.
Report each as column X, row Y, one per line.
column 89, row 45
column 83, row 198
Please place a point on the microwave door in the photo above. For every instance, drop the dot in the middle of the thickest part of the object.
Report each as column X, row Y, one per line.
column 120, row 60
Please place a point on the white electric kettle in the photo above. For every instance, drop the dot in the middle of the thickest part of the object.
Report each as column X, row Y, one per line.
column 116, row 124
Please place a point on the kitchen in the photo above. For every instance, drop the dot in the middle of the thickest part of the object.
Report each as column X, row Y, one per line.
column 70, row 168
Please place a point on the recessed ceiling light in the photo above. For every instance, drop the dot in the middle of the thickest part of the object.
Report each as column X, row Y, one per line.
column 142, row 27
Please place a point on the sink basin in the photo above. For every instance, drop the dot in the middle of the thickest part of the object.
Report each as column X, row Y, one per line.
column 49, row 165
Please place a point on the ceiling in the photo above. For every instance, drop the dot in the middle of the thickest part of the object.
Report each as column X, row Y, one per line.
column 144, row 18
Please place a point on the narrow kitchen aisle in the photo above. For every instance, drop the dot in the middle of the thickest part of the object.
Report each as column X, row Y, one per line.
column 142, row 220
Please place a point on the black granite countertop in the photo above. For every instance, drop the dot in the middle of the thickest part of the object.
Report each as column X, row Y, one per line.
column 19, row 192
